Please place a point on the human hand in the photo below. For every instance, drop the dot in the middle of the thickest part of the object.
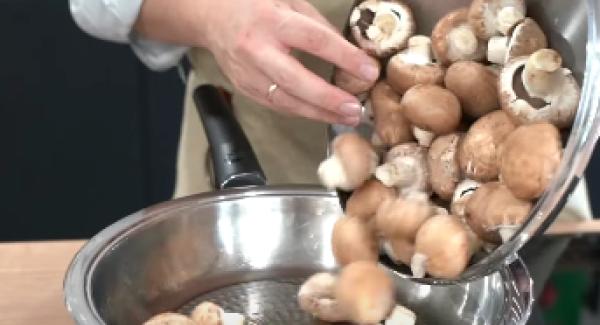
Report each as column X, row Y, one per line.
column 252, row 41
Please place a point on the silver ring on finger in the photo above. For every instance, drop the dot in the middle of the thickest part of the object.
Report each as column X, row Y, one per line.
column 272, row 88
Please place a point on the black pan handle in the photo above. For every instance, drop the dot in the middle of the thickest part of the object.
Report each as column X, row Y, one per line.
column 234, row 163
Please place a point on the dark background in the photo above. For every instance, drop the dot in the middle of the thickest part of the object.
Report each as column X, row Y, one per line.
column 88, row 134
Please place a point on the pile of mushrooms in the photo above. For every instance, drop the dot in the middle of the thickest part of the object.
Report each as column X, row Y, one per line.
column 467, row 135
column 205, row 313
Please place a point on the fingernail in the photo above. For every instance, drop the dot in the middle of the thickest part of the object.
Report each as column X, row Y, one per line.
column 350, row 120
column 369, row 72
column 351, row 109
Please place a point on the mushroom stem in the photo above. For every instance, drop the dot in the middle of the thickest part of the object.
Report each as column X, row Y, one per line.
column 463, row 39
column 401, row 316
column 418, row 265
column 418, row 50
column 506, row 232
column 424, row 137
column 497, row 49
column 397, row 174
column 331, row 172
column 541, row 72
column 508, row 17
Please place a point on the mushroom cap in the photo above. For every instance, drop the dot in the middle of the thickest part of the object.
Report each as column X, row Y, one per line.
column 207, row 313
column 479, row 150
column 382, row 27
column 401, row 218
column 399, row 250
column 405, row 168
column 170, row 318
column 444, row 50
column 353, row 162
column 351, row 83
column 529, row 158
column 353, row 240
column 317, row 297
column 558, row 108
column 432, row 108
column 484, row 16
column 475, row 86
column 526, row 38
column 492, row 206
column 461, row 196
column 446, row 244
column 366, row 292
column 365, row 200
column 391, row 126
column 444, row 169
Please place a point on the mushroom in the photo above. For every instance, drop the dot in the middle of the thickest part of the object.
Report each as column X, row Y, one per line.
column 399, row 250
column 444, row 169
column 432, row 108
column 352, row 163
column 494, row 213
column 405, row 168
column 352, row 84
column 529, row 158
column 491, row 17
column 461, row 196
column 414, row 66
column 475, row 85
column 401, row 316
column 443, row 247
column 365, row 200
column 391, row 126
column 453, row 39
column 208, row 313
column 170, row 318
column 526, row 38
column 382, row 27
column 317, row 297
column 478, row 155
column 401, row 218
column 366, row 292
column 424, row 138
column 536, row 89
column 353, row 240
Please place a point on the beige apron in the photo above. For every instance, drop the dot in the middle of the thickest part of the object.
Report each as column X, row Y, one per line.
column 289, row 149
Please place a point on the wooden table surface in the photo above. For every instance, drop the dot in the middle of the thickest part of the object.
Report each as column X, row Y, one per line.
column 31, row 277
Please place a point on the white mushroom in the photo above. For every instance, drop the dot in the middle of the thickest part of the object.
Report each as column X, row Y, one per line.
column 536, row 89
column 526, row 38
column 405, row 168
column 352, row 162
column 491, row 17
column 453, row 39
column 317, row 297
column 382, row 27
column 414, row 66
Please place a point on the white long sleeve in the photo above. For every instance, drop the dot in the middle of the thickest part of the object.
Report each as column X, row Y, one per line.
column 113, row 20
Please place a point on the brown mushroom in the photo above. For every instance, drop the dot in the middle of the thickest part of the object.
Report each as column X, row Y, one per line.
column 399, row 250
column 401, row 218
column 491, row 17
column 382, row 27
column 494, row 213
column 443, row 247
column 169, row 318
column 352, row 162
column 453, row 39
column 536, row 89
column 365, row 200
column 352, row 84
column 414, row 66
column 478, row 154
column 391, row 126
column 444, row 168
column 432, row 108
column 405, row 168
column 529, row 158
column 353, row 240
column 461, row 196
column 526, row 38
column 366, row 292
column 475, row 86
column 208, row 313
column 317, row 297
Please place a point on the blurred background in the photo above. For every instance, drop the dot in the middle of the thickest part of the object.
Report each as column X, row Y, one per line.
column 88, row 135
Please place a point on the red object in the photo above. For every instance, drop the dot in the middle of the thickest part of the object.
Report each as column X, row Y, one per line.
column 548, row 297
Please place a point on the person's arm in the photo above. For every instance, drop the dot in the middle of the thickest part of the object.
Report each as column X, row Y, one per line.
column 113, row 20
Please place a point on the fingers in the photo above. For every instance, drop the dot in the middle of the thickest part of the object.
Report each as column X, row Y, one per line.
column 295, row 79
column 305, row 33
